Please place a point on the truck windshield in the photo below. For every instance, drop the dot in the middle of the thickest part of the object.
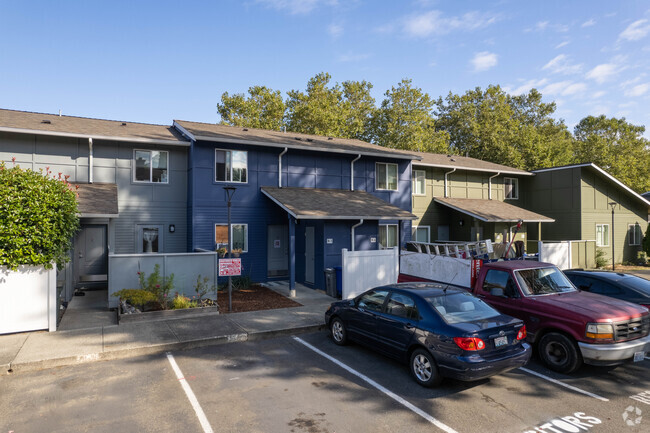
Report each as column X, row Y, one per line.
column 461, row 307
column 543, row 281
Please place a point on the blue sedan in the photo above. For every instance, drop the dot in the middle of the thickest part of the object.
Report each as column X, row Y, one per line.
column 440, row 331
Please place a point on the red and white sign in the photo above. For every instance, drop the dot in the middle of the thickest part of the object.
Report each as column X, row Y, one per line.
column 229, row 267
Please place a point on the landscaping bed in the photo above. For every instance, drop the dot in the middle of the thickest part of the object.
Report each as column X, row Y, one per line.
column 254, row 298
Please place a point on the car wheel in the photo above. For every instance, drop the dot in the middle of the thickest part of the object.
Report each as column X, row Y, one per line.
column 559, row 353
column 339, row 333
column 424, row 368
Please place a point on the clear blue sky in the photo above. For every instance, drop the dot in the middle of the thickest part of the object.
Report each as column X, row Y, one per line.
column 154, row 61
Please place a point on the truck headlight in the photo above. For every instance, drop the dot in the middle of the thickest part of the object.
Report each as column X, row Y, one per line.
column 600, row 331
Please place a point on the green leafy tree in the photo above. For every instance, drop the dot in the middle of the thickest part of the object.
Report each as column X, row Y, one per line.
column 405, row 121
column 646, row 242
column 492, row 125
column 38, row 217
column 616, row 146
column 263, row 109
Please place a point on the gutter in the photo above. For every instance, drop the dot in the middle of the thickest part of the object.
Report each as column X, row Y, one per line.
column 90, row 160
column 353, row 227
column 352, row 182
column 490, row 185
column 449, row 172
column 280, row 166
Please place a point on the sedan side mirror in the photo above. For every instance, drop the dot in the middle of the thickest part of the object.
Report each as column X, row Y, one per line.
column 497, row 291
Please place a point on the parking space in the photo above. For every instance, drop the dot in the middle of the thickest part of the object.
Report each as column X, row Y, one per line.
column 309, row 384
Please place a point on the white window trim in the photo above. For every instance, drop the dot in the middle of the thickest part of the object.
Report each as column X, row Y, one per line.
column 634, row 235
column 214, row 166
column 151, row 167
column 415, row 182
column 377, row 178
column 140, row 227
column 415, row 229
column 515, row 182
column 214, row 234
column 606, row 240
column 396, row 234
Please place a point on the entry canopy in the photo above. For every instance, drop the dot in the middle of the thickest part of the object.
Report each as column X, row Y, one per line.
column 97, row 200
column 334, row 204
column 492, row 210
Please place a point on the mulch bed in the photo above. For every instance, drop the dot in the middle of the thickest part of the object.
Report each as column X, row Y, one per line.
column 254, row 298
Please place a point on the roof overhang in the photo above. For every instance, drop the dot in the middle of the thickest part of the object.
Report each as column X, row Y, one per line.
column 492, row 210
column 97, row 200
column 96, row 137
column 485, row 170
column 334, row 204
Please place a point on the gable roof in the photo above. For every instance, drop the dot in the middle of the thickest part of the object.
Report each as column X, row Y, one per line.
column 82, row 127
column 337, row 204
column 97, row 200
column 291, row 140
column 601, row 171
column 465, row 163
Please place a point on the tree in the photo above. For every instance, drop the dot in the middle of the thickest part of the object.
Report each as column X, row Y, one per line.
column 646, row 242
column 38, row 218
column 263, row 109
column 405, row 121
column 512, row 130
column 616, row 146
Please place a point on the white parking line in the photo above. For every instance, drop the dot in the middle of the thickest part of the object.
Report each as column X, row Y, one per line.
column 550, row 379
column 190, row 395
column 392, row 395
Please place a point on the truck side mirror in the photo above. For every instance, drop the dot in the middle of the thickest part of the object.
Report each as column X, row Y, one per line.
column 497, row 291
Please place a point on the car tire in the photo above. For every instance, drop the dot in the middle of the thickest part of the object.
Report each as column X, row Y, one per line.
column 559, row 353
column 424, row 368
column 338, row 331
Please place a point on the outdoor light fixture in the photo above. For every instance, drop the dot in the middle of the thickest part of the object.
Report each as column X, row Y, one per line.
column 613, row 206
column 172, row 228
column 461, row 222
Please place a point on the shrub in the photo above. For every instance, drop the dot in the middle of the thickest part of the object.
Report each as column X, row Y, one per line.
column 38, row 217
column 136, row 297
column 646, row 241
column 180, row 302
column 202, row 287
column 157, row 285
column 601, row 261
column 241, row 283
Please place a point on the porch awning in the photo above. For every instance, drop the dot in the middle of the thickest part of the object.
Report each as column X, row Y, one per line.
column 334, row 204
column 492, row 210
column 97, row 200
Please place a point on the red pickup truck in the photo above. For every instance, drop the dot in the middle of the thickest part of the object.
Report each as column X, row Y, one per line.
column 567, row 326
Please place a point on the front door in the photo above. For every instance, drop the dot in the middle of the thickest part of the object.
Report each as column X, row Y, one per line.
column 309, row 255
column 277, row 250
column 91, row 254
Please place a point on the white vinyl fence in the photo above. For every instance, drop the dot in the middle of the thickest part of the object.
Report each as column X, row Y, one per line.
column 186, row 267
column 27, row 299
column 558, row 253
column 363, row 270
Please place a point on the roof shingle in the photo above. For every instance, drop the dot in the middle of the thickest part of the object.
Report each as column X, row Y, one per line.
column 466, row 163
column 492, row 210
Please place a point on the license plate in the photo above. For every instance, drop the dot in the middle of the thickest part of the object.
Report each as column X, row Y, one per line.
column 502, row 341
column 638, row 356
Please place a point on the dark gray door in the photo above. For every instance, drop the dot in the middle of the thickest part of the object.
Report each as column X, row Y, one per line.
column 91, row 254
column 309, row 255
column 278, row 250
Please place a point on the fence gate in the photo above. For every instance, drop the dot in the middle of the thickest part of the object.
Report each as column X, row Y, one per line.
column 363, row 270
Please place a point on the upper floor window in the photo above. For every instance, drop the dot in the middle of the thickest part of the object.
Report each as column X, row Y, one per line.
column 419, row 185
column 231, row 166
column 388, row 234
column 511, row 185
column 602, row 235
column 386, row 175
column 151, row 166
column 634, row 234
column 239, row 236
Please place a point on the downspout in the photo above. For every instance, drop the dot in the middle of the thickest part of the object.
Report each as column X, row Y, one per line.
column 353, row 227
column 490, row 185
column 352, row 181
column 446, row 194
column 280, row 166
column 90, row 160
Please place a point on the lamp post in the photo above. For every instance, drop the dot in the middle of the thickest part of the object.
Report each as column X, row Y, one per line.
column 230, row 191
column 613, row 206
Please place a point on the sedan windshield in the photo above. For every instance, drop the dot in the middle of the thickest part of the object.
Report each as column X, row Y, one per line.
column 543, row 281
column 461, row 307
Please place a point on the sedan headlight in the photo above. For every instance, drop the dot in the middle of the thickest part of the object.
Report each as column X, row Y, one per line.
column 600, row 331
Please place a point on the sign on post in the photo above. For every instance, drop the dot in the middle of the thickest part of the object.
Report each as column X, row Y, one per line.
column 229, row 267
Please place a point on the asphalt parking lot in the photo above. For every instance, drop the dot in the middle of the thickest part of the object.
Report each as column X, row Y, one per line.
column 308, row 384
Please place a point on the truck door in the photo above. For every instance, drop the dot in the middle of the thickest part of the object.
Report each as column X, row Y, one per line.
column 511, row 301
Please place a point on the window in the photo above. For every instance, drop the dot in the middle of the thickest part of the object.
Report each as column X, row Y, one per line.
column 634, row 234
column 512, row 187
column 461, row 307
column 386, row 176
column 149, row 238
column 373, row 301
column 602, row 235
column 500, row 280
column 151, row 166
column 402, row 306
column 419, row 182
column 421, row 234
column 230, row 166
column 239, row 236
column 387, row 236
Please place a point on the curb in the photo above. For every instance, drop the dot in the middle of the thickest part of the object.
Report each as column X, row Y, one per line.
column 110, row 355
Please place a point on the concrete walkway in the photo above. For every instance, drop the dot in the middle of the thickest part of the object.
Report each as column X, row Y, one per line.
column 39, row 350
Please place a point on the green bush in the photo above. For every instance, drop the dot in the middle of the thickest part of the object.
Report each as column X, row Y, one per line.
column 646, row 241
column 202, row 287
column 136, row 297
column 180, row 302
column 157, row 285
column 601, row 261
column 38, row 217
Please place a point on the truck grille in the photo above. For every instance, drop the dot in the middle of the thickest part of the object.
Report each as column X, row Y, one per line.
column 633, row 328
